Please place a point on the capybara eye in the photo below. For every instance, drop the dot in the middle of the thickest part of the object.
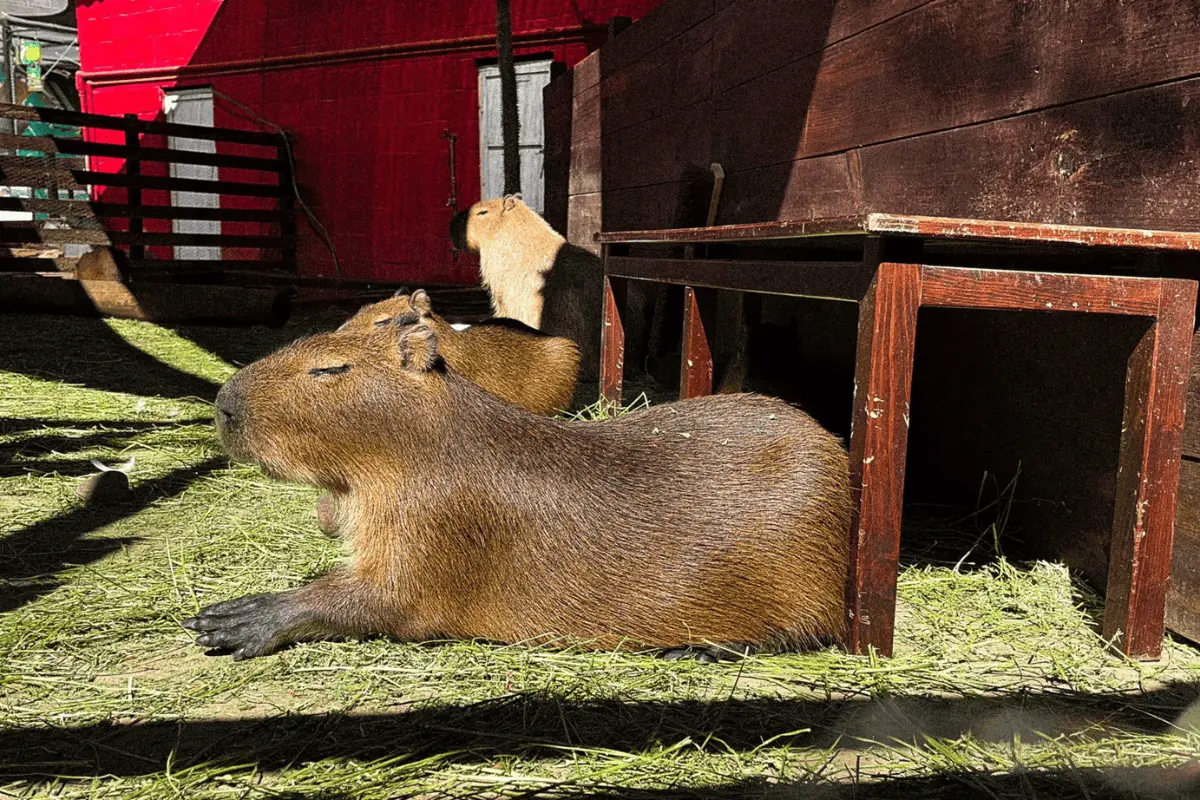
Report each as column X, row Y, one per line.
column 379, row 323
column 481, row 213
column 318, row 372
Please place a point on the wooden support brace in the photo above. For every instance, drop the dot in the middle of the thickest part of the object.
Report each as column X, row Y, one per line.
column 1148, row 476
column 696, row 358
column 887, row 327
column 612, row 341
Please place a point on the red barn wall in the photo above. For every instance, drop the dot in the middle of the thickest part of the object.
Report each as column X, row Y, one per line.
column 366, row 88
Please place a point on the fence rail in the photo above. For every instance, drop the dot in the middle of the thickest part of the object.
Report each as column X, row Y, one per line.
column 128, row 200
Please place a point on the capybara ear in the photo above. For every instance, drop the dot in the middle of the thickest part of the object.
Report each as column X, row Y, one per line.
column 403, row 290
column 510, row 201
column 418, row 348
column 421, row 303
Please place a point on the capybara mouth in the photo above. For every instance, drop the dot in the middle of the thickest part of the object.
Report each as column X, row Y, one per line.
column 458, row 230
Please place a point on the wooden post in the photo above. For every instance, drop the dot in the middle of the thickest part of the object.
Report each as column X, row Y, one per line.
column 1156, row 388
column 696, row 359
column 287, row 206
column 133, row 169
column 612, row 338
column 887, row 328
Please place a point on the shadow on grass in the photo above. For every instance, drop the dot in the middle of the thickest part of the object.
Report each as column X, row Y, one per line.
column 533, row 726
column 49, row 441
column 89, row 353
column 31, row 557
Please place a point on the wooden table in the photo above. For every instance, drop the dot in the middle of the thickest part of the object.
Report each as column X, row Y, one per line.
column 878, row 261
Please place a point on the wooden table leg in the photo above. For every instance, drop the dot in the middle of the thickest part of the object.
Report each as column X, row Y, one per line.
column 887, row 330
column 696, row 360
column 612, row 341
column 1148, row 476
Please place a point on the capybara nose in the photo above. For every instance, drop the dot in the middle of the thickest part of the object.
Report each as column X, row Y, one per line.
column 229, row 404
column 458, row 230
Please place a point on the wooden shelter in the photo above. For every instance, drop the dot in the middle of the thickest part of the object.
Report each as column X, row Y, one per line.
column 1080, row 113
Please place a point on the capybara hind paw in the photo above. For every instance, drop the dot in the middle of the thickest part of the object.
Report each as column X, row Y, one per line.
column 704, row 655
column 255, row 625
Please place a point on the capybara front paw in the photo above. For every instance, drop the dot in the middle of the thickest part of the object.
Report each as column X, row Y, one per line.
column 251, row 626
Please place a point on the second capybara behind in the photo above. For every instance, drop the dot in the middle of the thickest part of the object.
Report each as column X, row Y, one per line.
column 507, row 358
column 535, row 275
column 720, row 520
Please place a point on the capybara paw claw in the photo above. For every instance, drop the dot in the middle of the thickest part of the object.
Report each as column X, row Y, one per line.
column 246, row 627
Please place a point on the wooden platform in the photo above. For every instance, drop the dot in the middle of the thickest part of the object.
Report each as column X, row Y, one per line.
column 891, row 281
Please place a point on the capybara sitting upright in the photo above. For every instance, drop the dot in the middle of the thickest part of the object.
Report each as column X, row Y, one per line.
column 508, row 358
column 720, row 520
column 533, row 274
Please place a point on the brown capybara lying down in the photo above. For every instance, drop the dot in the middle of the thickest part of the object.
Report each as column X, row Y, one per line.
column 721, row 520
column 507, row 358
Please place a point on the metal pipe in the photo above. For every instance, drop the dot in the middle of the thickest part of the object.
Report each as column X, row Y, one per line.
column 33, row 23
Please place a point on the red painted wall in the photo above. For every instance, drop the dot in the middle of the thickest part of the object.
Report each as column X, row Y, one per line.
column 367, row 88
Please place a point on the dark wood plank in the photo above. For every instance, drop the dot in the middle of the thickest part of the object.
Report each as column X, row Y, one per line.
column 11, row 234
column 1128, row 160
column 943, row 228
column 1183, row 596
column 783, row 229
column 696, row 358
column 949, row 64
column 82, row 147
column 756, row 37
column 93, row 178
column 81, row 119
column 148, row 268
column 39, row 144
column 122, row 210
column 36, row 263
column 1191, row 429
column 157, row 302
column 833, row 280
column 41, row 171
column 49, row 173
column 82, row 211
column 895, row 224
column 133, row 170
column 1148, row 476
column 878, row 442
column 612, row 341
column 955, row 287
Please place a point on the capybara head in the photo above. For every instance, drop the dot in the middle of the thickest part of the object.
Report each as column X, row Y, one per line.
column 480, row 223
column 401, row 308
column 316, row 411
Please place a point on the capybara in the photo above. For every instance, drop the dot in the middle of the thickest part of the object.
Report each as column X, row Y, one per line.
column 533, row 274
column 511, row 360
column 508, row 358
column 721, row 520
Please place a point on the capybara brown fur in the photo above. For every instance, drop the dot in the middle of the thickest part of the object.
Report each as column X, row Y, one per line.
column 533, row 274
column 721, row 520
column 507, row 358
